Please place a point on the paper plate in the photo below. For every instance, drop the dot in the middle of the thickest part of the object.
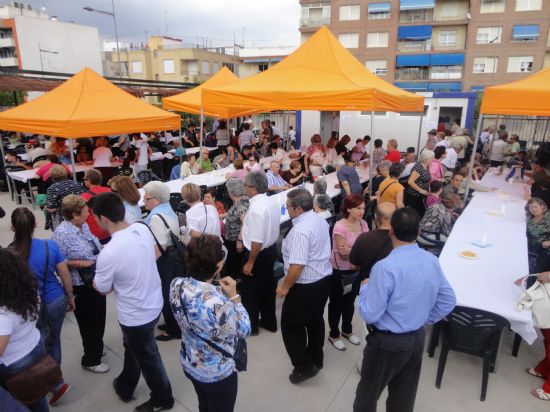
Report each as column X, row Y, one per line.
column 466, row 255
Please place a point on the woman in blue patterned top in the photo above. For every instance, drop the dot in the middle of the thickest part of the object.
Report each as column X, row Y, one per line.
column 212, row 313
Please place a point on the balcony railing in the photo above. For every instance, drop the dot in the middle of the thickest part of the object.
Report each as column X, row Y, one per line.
column 412, row 73
column 8, row 61
column 414, row 46
column 7, row 42
column 414, row 16
column 314, row 22
column 429, row 73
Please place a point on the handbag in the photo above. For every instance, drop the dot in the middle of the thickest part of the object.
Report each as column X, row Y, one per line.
column 87, row 274
column 32, row 384
column 42, row 324
column 536, row 297
column 240, row 357
column 370, row 207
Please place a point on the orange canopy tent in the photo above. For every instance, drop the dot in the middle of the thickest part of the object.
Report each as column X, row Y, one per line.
column 87, row 105
column 190, row 101
column 320, row 75
column 530, row 96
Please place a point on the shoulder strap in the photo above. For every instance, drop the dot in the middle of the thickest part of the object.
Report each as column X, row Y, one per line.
column 46, row 269
column 92, row 194
column 386, row 188
column 162, row 251
column 206, row 216
column 207, row 341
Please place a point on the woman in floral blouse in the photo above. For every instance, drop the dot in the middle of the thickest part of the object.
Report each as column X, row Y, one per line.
column 538, row 232
column 209, row 313
column 233, row 223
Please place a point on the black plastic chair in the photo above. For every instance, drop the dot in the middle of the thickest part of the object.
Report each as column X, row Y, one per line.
column 475, row 332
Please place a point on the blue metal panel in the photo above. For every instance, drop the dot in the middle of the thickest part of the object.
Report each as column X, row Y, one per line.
column 413, row 60
column 416, row 4
column 414, row 87
column 453, row 59
column 449, row 86
column 414, row 32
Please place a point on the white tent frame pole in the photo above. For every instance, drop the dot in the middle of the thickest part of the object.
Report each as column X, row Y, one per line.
column 4, row 165
column 181, row 142
column 71, row 152
column 202, row 131
column 472, row 157
column 419, row 133
column 371, row 167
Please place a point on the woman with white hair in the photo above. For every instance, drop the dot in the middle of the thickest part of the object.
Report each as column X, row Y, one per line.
column 233, row 223
column 322, row 204
column 161, row 220
column 419, row 182
column 102, row 155
column 200, row 218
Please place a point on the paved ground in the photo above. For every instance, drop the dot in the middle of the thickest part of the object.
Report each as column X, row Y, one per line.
column 265, row 387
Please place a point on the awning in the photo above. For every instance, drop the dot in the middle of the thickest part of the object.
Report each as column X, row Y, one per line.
column 526, row 32
column 413, row 60
column 477, row 88
column 414, row 32
column 417, row 87
column 379, row 7
column 453, row 59
column 445, row 87
column 416, row 4
column 273, row 60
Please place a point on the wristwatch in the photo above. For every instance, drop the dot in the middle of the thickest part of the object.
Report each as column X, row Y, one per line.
column 236, row 299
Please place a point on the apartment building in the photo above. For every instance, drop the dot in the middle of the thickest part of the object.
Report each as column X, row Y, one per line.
column 438, row 45
column 170, row 59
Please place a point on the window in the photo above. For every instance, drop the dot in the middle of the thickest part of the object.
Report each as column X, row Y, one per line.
column 520, row 64
column 349, row 40
column 137, row 68
column 315, row 15
column 215, row 67
column 525, row 33
column 528, row 5
column 489, row 35
column 205, row 67
column 378, row 67
column 263, row 67
column 378, row 11
column 169, row 66
column 492, row 6
column 485, row 65
column 449, row 10
column 193, row 68
column 377, row 39
column 348, row 13
column 447, row 38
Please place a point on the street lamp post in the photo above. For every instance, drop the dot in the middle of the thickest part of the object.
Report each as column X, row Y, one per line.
column 113, row 15
column 40, row 51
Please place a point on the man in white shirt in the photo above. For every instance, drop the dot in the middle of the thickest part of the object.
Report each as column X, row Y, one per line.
column 143, row 154
column 34, row 151
column 127, row 266
column 259, row 233
column 306, row 286
column 451, row 156
column 499, row 149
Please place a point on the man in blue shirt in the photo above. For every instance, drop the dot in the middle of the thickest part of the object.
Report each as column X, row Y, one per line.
column 396, row 302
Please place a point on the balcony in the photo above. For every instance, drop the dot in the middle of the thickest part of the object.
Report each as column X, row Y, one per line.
column 445, row 72
column 416, row 16
column 8, row 61
column 414, row 46
column 7, row 42
column 412, row 73
column 314, row 22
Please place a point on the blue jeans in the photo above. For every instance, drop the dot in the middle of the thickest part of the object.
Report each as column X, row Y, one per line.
column 56, row 315
column 141, row 356
column 22, row 364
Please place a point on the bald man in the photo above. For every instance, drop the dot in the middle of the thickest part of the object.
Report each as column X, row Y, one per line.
column 370, row 247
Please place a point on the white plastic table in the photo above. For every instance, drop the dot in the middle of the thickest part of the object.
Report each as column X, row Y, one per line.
column 487, row 283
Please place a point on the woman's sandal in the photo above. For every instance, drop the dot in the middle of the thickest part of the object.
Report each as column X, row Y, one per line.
column 533, row 372
column 540, row 394
column 354, row 340
column 337, row 343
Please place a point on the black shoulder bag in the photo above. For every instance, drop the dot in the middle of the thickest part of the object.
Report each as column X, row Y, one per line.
column 370, row 207
column 240, row 357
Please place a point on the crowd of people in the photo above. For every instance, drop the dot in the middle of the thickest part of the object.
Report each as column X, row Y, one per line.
column 207, row 261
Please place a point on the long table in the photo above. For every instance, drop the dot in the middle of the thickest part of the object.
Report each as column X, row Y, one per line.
column 487, row 283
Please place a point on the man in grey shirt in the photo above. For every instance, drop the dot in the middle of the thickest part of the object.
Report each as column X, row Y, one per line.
column 348, row 178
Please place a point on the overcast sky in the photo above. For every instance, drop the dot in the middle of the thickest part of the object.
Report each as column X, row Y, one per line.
column 265, row 22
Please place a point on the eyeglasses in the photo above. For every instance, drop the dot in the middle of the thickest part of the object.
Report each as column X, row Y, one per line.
column 145, row 199
column 86, row 178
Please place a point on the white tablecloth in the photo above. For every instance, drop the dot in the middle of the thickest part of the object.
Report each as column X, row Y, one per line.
column 487, row 283
column 25, row 175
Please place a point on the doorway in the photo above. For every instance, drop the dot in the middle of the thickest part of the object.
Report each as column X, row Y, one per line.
column 325, row 128
column 452, row 113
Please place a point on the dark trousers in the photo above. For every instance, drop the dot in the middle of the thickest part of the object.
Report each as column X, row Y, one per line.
column 302, row 323
column 233, row 263
column 340, row 306
column 416, row 202
column 141, row 356
column 258, row 290
column 216, row 396
column 496, row 163
column 392, row 360
column 167, row 271
column 90, row 314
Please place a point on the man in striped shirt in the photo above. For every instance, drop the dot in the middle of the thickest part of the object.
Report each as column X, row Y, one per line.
column 306, row 286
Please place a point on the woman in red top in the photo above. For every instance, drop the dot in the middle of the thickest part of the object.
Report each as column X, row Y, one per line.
column 92, row 181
